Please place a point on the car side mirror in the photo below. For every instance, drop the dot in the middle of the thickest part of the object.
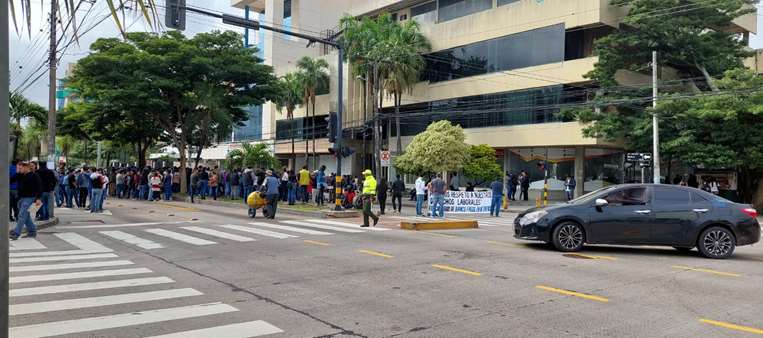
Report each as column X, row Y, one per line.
column 600, row 202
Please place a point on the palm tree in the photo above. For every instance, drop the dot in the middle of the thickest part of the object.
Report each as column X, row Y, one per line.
column 251, row 155
column 21, row 108
column 292, row 94
column 314, row 74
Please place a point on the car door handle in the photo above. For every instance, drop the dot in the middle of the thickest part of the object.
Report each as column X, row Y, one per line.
column 643, row 212
column 701, row 210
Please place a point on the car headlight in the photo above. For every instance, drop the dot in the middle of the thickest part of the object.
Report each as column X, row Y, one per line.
column 532, row 217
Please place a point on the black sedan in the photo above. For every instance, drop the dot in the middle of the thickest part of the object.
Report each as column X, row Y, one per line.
column 644, row 214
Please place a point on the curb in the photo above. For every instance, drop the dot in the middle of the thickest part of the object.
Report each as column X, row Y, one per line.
column 438, row 225
column 280, row 210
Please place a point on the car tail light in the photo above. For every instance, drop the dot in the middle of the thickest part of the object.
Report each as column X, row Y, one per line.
column 750, row 212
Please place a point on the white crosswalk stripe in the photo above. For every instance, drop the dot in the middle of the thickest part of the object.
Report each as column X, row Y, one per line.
column 132, row 239
column 54, row 253
column 292, row 229
column 68, row 266
column 120, row 320
column 260, row 232
column 26, row 244
column 219, row 234
column 180, row 237
column 240, row 330
column 114, row 284
column 346, row 225
column 126, row 225
column 82, row 242
column 70, row 304
column 61, row 258
column 77, row 275
column 321, row 226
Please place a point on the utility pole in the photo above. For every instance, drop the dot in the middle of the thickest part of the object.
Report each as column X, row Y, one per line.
column 655, row 123
column 52, row 64
column 338, row 138
column 4, row 179
column 377, row 134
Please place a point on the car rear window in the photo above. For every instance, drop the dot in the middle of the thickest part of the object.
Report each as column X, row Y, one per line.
column 671, row 196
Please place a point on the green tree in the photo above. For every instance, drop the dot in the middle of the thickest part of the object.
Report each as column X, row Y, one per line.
column 481, row 166
column 21, row 108
column 254, row 156
column 314, row 74
column 722, row 131
column 291, row 94
column 691, row 36
column 439, row 148
column 178, row 79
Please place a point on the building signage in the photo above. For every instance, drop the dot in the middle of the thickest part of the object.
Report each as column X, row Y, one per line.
column 385, row 158
column 467, row 202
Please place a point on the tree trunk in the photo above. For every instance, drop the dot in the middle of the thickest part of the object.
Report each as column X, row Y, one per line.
column 293, row 158
column 708, row 78
column 365, row 119
column 304, row 133
column 315, row 158
column 198, row 157
column 377, row 110
column 183, row 165
column 399, row 148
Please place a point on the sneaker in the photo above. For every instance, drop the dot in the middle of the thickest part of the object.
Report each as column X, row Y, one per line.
column 30, row 235
column 364, row 226
column 376, row 221
column 13, row 236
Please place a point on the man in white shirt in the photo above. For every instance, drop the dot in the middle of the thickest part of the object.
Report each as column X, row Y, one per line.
column 421, row 189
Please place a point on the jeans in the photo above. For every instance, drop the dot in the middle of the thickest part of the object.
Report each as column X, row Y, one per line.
column 203, row 188
column 213, row 192
column 82, row 198
column 247, row 190
column 495, row 205
column 142, row 192
column 14, row 203
column 319, row 198
column 303, row 194
column 419, row 203
column 24, row 218
column 523, row 194
column 69, row 195
column 272, row 205
column 570, row 193
column 397, row 202
column 167, row 192
column 227, row 190
column 292, row 198
column 60, row 195
column 95, row 202
column 120, row 190
column 44, row 213
column 438, row 203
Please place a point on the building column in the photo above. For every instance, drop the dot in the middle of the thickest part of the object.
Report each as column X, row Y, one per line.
column 579, row 170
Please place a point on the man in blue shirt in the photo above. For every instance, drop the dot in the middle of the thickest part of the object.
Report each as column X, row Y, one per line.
column 495, row 204
column 320, row 179
column 271, row 193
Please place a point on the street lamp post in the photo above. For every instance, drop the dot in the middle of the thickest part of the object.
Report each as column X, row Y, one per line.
column 655, row 124
column 4, row 179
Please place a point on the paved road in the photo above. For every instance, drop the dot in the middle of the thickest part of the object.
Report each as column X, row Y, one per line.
column 161, row 269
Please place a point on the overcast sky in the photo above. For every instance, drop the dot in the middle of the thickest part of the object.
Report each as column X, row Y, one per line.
column 28, row 54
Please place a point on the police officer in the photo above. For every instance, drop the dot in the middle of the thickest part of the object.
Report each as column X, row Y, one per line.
column 369, row 193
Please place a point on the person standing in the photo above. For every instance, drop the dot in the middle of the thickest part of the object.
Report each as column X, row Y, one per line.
column 495, row 202
column 439, row 188
column 398, row 189
column 304, row 181
column 235, row 179
column 13, row 188
column 369, row 193
column 83, row 182
column 105, row 191
column 96, row 182
column 143, row 187
column 569, row 187
column 175, row 180
column 203, row 182
column 71, row 188
column 270, row 186
column 194, row 182
column 381, row 195
column 524, row 182
column 49, row 183
column 213, row 185
column 247, row 183
column 120, row 180
column 156, row 186
column 292, row 186
column 61, row 187
column 320, row 181
column 29, row 192
column 285, row 185
column 167, row 182
column 421, row 190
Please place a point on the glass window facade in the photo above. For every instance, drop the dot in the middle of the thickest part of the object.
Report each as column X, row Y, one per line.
column 531, row 106
column 300, row 127
column 286, row 9
column 531, row 48
column 426, row 13
column 506, row 2
column 252, row 128
column 452, row 9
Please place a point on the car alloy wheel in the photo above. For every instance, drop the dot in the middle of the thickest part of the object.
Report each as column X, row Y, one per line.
column 568, row 237
column 717, row 243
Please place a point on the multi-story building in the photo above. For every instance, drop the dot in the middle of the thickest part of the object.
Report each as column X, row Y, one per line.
column 499, row 68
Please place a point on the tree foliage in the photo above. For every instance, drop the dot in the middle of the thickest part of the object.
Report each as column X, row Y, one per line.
column 251, row 156
column 189, row 88
column 691, row 36
column 439, row 148
column 481, row 166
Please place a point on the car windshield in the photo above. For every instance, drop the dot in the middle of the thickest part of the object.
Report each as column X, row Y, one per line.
column 590, row 196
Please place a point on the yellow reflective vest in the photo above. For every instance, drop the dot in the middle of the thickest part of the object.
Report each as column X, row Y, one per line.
column 369, row 185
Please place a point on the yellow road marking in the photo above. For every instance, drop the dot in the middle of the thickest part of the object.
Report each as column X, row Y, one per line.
column 375, row 253
column 732, row 326
column 317, row 243
column 719, row 273
column 450, row 268
column 573, row 293
column 593, row 257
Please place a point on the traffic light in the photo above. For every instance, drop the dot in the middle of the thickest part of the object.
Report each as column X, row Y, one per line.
column 343, row 151
column 331, row 119
column 174, row 16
